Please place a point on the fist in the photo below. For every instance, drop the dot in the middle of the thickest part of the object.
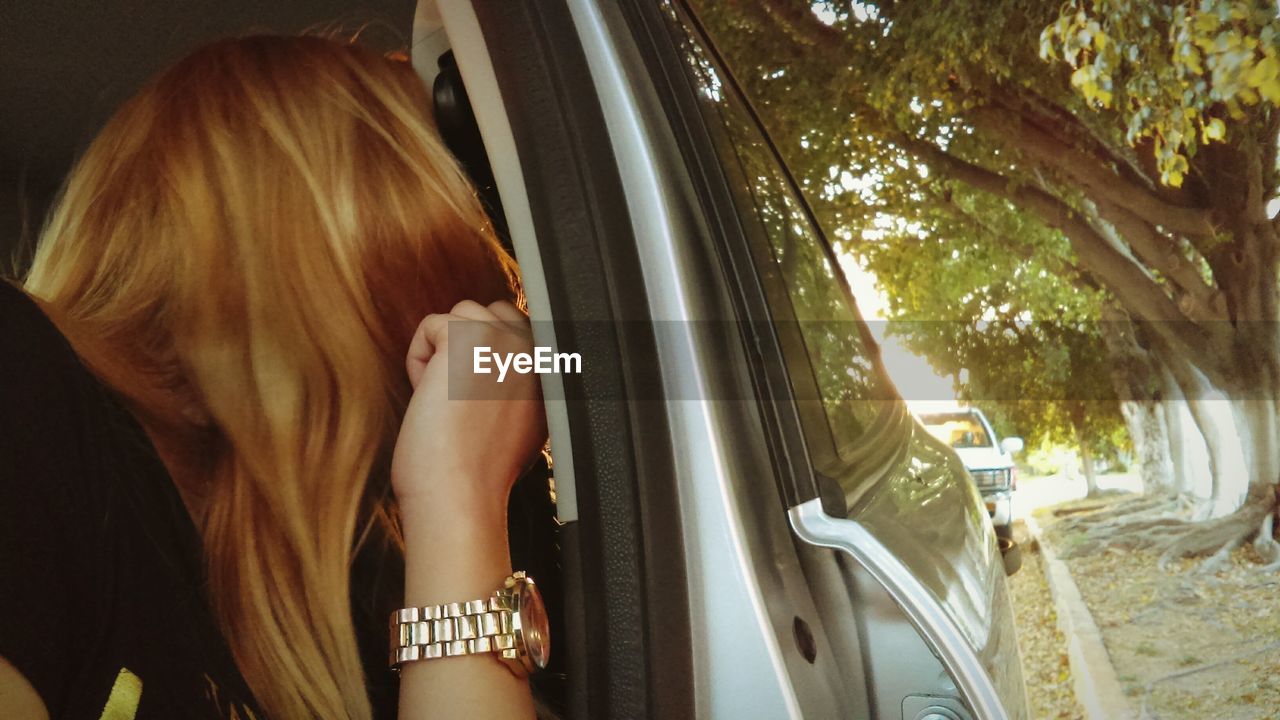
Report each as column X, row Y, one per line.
column 466, row 437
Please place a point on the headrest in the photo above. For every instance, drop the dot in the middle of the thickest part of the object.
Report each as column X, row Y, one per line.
column 457, row 124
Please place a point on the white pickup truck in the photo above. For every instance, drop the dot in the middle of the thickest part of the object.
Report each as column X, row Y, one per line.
column 988, row 460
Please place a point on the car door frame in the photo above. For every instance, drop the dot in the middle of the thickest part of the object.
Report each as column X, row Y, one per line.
column 621, row 544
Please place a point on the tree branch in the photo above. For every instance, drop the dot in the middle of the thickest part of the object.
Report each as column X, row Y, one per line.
column 1127, row 281
column 1091, row 174
column 1198, row 299
column 1137, row 167
column 797, row 20
column 1051, row 117
column 1129, row 207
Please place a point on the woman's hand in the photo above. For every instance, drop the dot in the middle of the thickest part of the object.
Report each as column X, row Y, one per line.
column 465, row 436
column 464, row 439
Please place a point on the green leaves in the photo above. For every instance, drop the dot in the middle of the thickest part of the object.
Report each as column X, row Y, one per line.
column 1094, row 84
column 1264, row 76
column 1067, row 114
column 1181, row 65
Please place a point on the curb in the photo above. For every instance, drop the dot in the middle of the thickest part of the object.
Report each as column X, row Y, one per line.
column 1097, row 688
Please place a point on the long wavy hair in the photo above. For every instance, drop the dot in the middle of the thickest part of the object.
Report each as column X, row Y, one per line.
column 243, row 255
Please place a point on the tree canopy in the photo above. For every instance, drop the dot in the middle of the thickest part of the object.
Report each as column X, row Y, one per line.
column 1014, row 166
column 1176, row 72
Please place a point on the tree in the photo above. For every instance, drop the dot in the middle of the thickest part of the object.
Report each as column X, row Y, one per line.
column 1139, row 138
column 1024, row 337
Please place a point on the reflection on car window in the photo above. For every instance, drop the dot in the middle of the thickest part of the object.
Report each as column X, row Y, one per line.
column 959, row 430
column 838, row 347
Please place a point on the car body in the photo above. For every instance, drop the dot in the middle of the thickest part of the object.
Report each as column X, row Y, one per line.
column 988, row 459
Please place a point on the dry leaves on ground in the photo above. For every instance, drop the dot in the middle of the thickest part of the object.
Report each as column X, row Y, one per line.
column 1187, row 645
column 1044, row 650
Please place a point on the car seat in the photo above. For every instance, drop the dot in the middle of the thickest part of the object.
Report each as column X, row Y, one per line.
column 456, row 122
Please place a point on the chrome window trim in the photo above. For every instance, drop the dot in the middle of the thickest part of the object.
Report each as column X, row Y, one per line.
column 815, row 526
column 734, row 644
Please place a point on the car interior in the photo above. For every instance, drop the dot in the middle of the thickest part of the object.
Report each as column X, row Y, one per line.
column 35, row 157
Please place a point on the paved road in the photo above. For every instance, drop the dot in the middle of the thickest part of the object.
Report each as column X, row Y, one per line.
column 1038, row 491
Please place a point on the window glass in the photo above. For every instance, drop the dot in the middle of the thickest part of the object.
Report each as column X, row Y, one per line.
column 841, row 356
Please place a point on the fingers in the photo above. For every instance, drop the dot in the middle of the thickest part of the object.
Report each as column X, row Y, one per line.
column 420, row 351
column 502, row 314
column 472, row 310
column 430, row 337
column 507, row 312
column 431, row 334
column 435, row 328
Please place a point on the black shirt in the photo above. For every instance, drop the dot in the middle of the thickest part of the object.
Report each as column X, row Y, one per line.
column 102, row 597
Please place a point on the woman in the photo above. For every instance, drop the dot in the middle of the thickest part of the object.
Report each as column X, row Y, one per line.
column 226, row 380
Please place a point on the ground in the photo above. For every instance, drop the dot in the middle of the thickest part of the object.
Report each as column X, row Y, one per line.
column 1184, row 645
column 1044, row 655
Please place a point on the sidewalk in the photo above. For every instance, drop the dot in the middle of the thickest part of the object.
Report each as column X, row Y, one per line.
column 1183, row 646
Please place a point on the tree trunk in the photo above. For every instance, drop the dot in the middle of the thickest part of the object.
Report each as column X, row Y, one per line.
column 1224, row 488
column 1260, row 419
column 1148, row 430
column 1183, row 446
column 1239, row 422
column 1240, row 180
column 1228, row 470
column 1090, row 475
column 1192, row 470
column 1086, row 465
column 1257, row 422
column 1135, row 375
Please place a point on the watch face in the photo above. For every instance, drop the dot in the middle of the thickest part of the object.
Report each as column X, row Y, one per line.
column 533, row 625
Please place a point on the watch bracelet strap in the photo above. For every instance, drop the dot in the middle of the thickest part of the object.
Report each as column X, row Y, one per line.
column 453, row 629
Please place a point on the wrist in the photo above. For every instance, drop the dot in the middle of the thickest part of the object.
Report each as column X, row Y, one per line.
column 454, row 551
column 452, row 497
column 511, row 623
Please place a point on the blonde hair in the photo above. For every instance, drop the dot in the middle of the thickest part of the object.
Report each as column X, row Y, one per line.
column 243, row 254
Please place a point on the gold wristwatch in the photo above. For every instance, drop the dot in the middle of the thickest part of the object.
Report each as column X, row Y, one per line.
column 512, row 623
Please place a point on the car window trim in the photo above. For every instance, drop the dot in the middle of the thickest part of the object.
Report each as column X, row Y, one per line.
column 626, row 550
column 776, row 395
